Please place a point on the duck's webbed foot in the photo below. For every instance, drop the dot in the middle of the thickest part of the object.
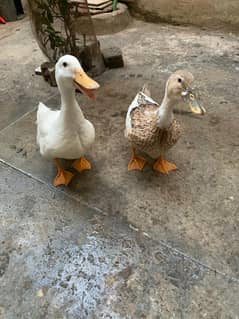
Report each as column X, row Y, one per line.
column 163, row 166
column 81, row 164
column 136, row 162
column 63, row 176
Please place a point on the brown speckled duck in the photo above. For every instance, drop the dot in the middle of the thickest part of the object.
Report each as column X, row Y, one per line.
column 151, row 128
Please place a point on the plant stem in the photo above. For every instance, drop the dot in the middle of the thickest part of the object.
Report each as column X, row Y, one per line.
column 114, row 6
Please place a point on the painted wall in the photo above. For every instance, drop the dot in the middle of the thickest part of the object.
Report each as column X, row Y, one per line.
column 198, row 12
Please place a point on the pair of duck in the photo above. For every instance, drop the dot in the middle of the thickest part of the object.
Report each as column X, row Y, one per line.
column 150, row 127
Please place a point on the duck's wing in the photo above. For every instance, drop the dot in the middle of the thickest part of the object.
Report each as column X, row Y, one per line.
column 140, row 99
column 45, row 119
column 144, row 126
column 170, row 136
column 145, row 134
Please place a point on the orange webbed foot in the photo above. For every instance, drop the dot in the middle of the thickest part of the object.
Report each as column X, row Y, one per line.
column 63, row 176
column 163, row 166
column 136, row 162
column 81, row 164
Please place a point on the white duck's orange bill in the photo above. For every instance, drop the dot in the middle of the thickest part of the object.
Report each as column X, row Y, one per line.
column 85, row 84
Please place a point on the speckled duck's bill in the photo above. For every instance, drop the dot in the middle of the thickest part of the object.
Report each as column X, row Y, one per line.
column 191, row 99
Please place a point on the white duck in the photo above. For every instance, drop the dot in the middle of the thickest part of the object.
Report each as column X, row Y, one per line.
column 66, row 133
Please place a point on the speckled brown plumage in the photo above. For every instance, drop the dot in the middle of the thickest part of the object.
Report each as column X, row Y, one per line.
column 146, row 136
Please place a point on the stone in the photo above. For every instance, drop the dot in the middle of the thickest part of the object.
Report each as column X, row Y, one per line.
column 91, row 59
column 113, row 57
column 48, row 73
column 38, row 71
column 112, row 22
column 8, row 10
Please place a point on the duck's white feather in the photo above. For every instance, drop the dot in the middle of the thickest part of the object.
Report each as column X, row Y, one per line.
column 63, row 134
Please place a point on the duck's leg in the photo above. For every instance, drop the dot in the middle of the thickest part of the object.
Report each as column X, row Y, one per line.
column 163, row 166
column 63, row 177
column 81, row 164
column 136, row 162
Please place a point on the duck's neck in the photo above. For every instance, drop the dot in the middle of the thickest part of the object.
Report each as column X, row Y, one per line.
column 69, row 104
column 165, row 112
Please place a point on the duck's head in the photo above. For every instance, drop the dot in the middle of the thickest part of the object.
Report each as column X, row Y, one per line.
column 69, row 74
column 179, row 86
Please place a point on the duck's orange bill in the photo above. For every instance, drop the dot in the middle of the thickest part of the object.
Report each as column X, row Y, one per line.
column 85, row 84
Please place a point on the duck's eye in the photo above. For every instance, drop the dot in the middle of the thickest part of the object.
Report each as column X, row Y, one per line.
column 179, row 80
column 64, row 64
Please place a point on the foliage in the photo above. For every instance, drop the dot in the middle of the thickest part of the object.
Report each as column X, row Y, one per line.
column 52, row 14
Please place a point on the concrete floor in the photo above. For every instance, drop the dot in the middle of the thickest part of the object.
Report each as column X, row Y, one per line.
column 117, row 244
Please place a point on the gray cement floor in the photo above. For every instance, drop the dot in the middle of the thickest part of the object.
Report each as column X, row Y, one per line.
column 117, row 244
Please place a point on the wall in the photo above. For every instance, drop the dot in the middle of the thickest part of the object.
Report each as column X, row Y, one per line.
column 197, row 12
